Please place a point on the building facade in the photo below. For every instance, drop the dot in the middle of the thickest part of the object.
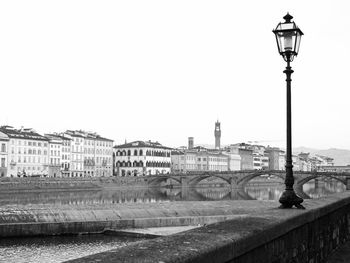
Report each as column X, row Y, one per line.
column 246, row 158
column 77, row 152
column 27, row 152
column 91, row 154
column 59, row 155
column 141, row 158
column 4, row 139
column 55, row 150
column 199, row 159
column 234, row 162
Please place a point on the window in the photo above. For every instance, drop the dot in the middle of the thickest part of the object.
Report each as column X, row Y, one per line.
column 2, row 162
column 3, row 147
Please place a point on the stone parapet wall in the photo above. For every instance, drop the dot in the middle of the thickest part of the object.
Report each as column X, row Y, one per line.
column 270, row 235
column 311, row 242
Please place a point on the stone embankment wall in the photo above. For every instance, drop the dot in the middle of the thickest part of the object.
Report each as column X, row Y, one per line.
column 74, row 183
column 270, row 235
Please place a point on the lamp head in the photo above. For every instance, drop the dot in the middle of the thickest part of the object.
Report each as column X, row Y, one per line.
column 288, row 37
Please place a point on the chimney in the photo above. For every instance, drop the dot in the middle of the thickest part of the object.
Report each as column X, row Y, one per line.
column 190, row 143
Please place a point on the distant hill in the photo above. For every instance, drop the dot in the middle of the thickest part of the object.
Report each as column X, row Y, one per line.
column 340, row 156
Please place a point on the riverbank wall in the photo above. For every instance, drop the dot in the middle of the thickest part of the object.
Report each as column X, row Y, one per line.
column 8, row 184
column 267, row 234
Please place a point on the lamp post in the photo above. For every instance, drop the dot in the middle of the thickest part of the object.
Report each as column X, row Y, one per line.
column 288, row 37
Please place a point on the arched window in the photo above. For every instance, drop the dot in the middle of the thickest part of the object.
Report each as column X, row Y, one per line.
column 123, row 153
column 141, row 152
column 141, row 163
column 129, row 152
column 135, row 152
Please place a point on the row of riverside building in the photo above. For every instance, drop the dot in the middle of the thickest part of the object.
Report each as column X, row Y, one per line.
column 24, row 152
column 77, row 153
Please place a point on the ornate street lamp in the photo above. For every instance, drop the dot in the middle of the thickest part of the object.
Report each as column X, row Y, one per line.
column 288, row 37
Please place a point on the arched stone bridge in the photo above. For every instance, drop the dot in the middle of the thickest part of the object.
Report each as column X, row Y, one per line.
column 238, row 179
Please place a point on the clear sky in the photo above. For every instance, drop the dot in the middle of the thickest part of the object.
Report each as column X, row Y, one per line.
column 166, row 70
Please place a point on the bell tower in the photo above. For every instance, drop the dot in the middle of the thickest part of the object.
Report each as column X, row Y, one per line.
column 217, row 133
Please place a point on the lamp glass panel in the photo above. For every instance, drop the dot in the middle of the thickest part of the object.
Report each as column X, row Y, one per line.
column 288, row 41
column 297, row 42
column 279, row 42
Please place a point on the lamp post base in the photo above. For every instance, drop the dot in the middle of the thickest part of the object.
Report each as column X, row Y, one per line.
column 290, row 199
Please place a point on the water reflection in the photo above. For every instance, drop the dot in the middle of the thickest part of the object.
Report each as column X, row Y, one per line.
column 57, row 249
column 259, row 189
column 322, row 187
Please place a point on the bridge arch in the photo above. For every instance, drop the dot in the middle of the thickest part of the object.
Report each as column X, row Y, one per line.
column 157, row 180
column 194, row 181
column 303, row 181
column 245, row 179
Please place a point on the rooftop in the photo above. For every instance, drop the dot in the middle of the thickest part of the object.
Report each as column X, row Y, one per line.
column 142, row 144
column 23, row 133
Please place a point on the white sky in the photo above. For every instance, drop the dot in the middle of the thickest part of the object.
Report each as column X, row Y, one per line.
column 165, row 70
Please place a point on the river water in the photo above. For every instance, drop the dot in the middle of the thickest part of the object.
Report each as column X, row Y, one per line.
column 58, row 249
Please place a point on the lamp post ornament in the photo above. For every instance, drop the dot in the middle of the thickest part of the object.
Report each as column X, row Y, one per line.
column 288, row 37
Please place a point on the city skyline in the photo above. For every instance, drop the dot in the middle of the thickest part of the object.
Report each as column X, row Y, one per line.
column 165, row 71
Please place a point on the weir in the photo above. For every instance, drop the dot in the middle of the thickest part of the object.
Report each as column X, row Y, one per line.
column 267, row 234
